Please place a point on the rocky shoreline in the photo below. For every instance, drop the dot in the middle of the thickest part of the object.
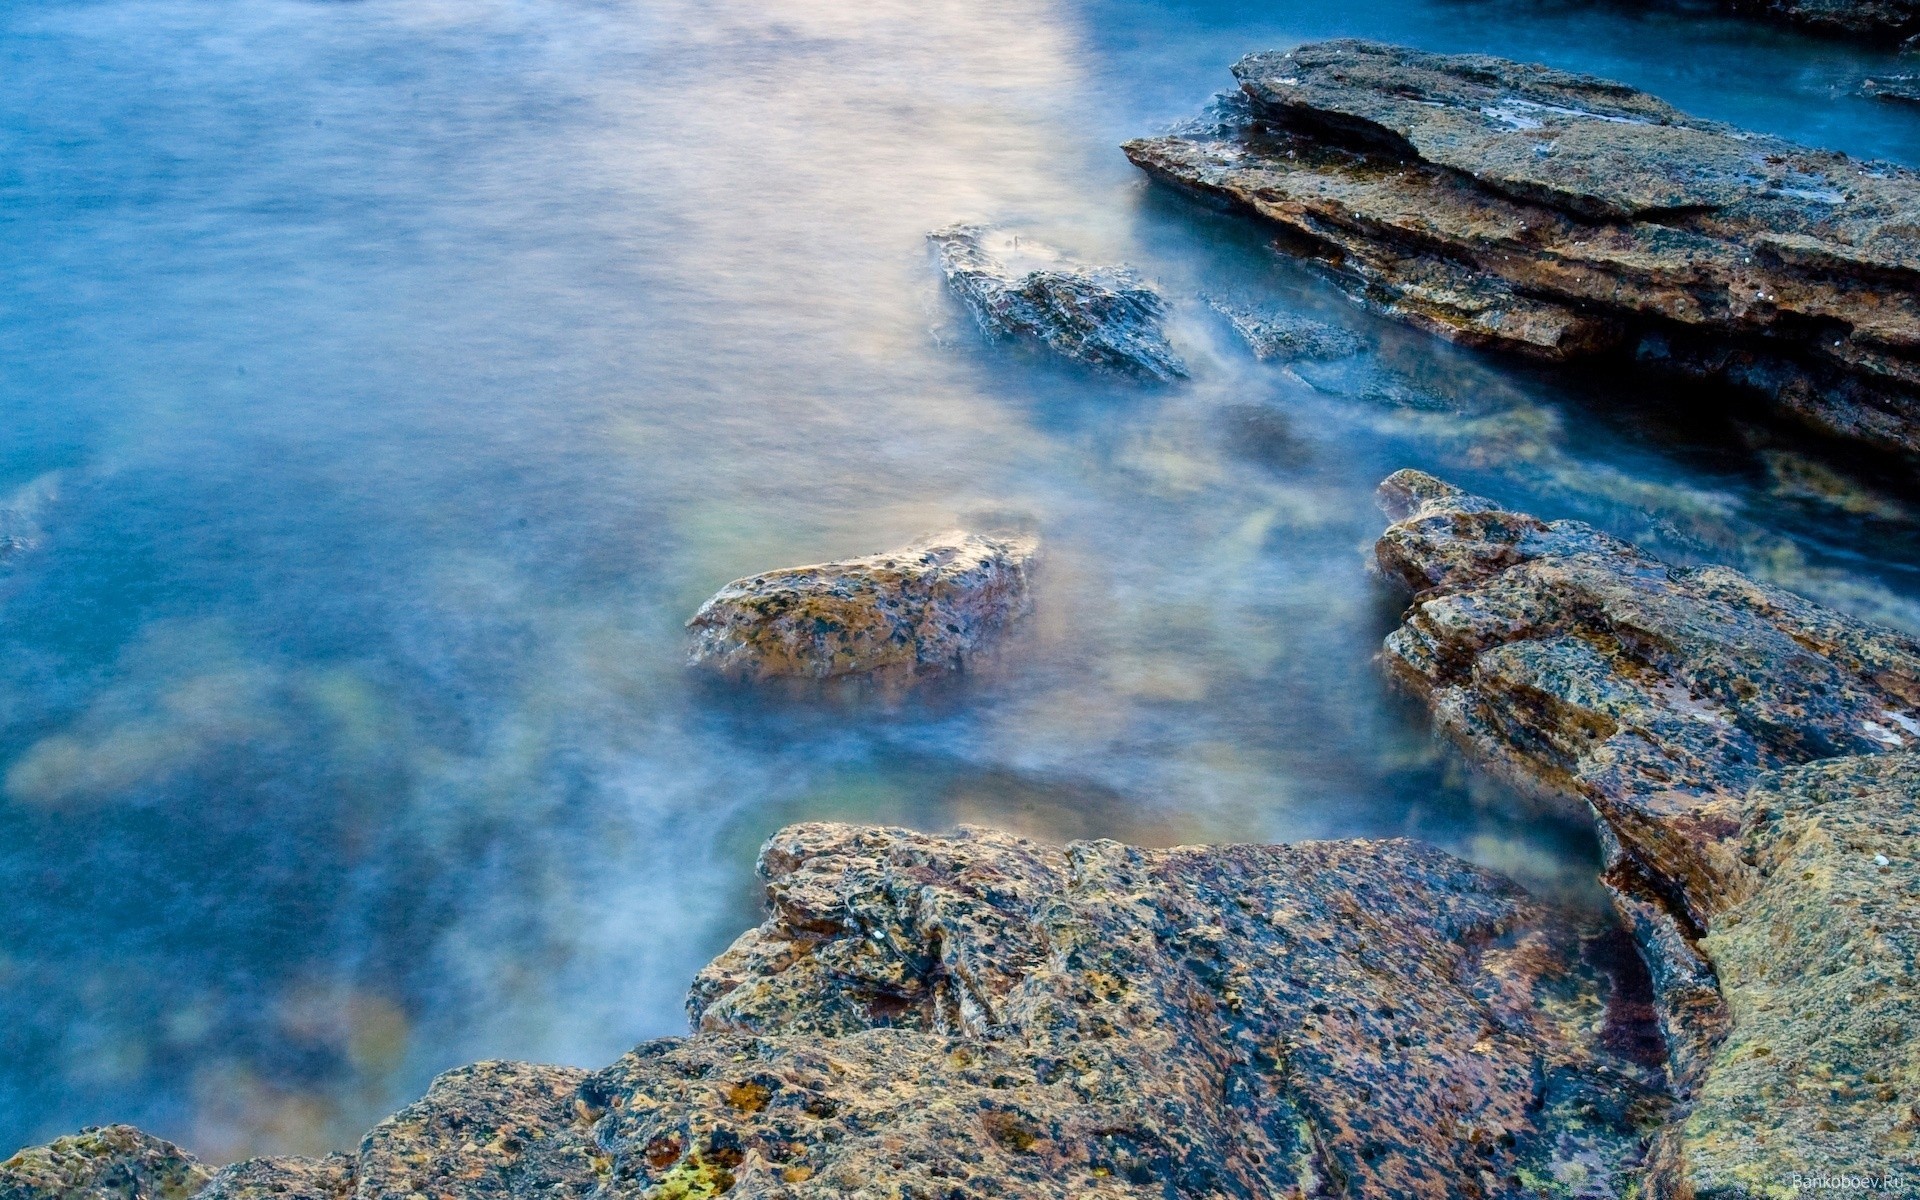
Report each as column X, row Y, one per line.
column 1564, row 217
column 977, row 1015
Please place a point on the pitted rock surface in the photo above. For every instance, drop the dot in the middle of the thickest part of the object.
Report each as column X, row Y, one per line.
column 1819, row 1076
column 928, row 606
column 108, row 1162
column 1105, row 317
column 1562, row 216
column 979, row 1016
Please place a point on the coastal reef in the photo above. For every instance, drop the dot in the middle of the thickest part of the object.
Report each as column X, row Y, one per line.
column 1565, row 217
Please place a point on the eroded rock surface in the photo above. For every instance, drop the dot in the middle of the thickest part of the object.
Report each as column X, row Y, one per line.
column 1284, row 337
column 928, row 606
column 1561, row 216
column 110, row 1162
column 979, row 1016
column 1819, row 1076
column 1754, row 760
column 1105, row 317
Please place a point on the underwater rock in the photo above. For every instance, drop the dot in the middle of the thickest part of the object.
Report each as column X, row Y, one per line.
column 1561, row 216
column 980, row 1016
column 1283, row 337
column 107, row 1162
column 1902, row 86
column 928, row 606
column 1820, row 964
column 1104, row 317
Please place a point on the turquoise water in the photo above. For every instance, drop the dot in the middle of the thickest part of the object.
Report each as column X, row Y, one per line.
column 387, row 380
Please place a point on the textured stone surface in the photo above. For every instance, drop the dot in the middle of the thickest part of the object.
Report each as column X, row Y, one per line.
column 109, row 1162
column 1820, row 1074
column 1104, row 317
column 1880, row 18
column 978, row 1016
column 1561, row 216
column 1284, row 337
column 927, row 606
column 329, row 1178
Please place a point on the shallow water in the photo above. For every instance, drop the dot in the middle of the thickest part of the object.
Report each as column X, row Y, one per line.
column 387, row 380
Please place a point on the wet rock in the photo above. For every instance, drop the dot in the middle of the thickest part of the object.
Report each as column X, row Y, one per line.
column 1283, row 337
column 1105, row 317
column 1881, row 18
column 108, row 1162
column 979, row 1016
column 1820, row 964
column 928, row 606
column 1561, row 216
column 1903, row 86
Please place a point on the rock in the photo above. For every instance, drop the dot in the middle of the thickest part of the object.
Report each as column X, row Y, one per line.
column 1902, row 86
column 928, row 606
column 1820, row 964
column 1748, row 754
column 1104, row 317
column 1579, row 666
column 329, row 1178
column 1283, row 337
column 1879, row 18
column 1561, row 216
column 107, row 1162
column 977, row 1016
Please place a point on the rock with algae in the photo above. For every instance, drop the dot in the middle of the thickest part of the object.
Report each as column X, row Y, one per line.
column 980, row 1016
column 1105, row 317
column 928, row 606
column 1561, row 216
column 109, row 1162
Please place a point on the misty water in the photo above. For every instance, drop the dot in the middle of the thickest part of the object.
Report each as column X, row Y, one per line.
column 386, row 381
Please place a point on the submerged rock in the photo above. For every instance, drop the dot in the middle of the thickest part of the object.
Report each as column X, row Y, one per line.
column 979, row 1016
column 1104, row 317
column 1283, row 337
column 928, row 606
column 1754, row 761
column 109, row 1162
column 1561, row 216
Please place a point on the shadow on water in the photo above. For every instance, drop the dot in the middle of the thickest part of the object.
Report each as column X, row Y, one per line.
column 387, row 383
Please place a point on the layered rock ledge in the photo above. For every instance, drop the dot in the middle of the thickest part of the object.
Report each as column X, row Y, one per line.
column 929, row 606
column 977, row 1016
column 1562, row 217
column 1754, row 762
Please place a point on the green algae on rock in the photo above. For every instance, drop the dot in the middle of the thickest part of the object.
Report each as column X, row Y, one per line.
column 1561, row 216
column 978, row 1016
column 928, row 606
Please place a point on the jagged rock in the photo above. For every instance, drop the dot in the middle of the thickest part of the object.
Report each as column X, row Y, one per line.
column 285, row 1178
column 1820, row 963
column 977, row 1016
column 1882, row 18
column 928, row 606
column 1102, row 316
column 1283, row 337
column 108, row 1162
column 1748, row 753
column 1904, row 87
column 1561, row 216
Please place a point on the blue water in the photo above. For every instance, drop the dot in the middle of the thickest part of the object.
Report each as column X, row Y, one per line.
column 385, row 381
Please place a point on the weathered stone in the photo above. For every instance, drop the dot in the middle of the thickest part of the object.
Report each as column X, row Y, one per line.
column 979, row 1016
column 1820, row 964
column 329, row 1178
column 1894, row 86
column 107, row 1162
column 1102, row 316
column 1283, row 337
column 928, row 606
column 1878, row 18
column 1562, row 216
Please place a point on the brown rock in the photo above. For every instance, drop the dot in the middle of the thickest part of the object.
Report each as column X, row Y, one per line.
column 928, row 606
column 1561, row 216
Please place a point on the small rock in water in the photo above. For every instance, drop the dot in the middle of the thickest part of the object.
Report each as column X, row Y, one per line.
column 1282, row 337
column 927, row 606
column 1102, row 316
column 1893, row 87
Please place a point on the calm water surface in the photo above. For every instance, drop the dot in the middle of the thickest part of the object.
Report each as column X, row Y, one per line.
column 385, row 381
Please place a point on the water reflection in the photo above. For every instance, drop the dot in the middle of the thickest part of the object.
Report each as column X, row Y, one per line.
column 389, row 380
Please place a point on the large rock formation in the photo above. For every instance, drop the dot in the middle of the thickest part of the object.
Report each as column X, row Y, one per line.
column 1562, row 216
column 978, row 1016
column 1102, row 316
column 112, row 1162
column 928, row 606
column 1754, row 760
